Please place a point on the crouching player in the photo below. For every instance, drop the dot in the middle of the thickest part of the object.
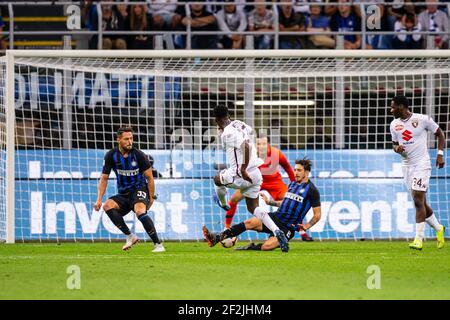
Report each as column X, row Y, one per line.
column 301, row 195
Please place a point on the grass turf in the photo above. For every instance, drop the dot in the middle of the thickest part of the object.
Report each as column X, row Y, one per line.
column 319, row 270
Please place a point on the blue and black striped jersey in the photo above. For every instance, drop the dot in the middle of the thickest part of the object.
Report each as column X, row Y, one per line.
column 129, row 170
column 297, row 201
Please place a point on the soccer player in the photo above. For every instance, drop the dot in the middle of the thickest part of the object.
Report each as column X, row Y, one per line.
column 243, row 172
column 272, row 180
column 409, row 138
column 302, row 194
column 136, row 188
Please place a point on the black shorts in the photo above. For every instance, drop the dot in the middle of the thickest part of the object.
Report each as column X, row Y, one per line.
column 126, row 201
column 288, row 232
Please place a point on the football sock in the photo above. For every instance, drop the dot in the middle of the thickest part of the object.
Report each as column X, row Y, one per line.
column 234, row 231
column 253, row 246
column 420, row 230
column 230, row 213
column 221, row 193
column 265, row 218
column 433, row 222
column 149, row 227
column 118, row 221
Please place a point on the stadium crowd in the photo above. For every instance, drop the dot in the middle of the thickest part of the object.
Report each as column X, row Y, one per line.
column 405, row 18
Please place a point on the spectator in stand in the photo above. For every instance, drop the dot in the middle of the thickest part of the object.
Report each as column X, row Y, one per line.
column 408, row 23
column 113, row 19
column 373, row 26
column 180, row 12
column 345, row 19
column 139, row 20
column 318, row 22
column 88, row 14
column 435, row 20
column 291, row 21
column 2, row 43
column 163, row 13
column 202, row 20
column 231, row 19
column 395, row 11
column 262, row 20
column 330, row 9
column 302, row 6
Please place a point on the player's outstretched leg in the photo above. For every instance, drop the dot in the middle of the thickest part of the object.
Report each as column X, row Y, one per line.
column 211, row 237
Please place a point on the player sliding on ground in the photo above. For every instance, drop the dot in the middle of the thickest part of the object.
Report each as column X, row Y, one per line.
column 272, row 181
column 409, row 138
column 136, row 188
column 242, row 173
column 301, row 195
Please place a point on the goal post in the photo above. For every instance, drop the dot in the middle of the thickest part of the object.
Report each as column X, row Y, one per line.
column 59, row 110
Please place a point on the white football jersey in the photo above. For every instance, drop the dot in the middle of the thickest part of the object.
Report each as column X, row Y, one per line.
column 412, row 134
column 232, row 138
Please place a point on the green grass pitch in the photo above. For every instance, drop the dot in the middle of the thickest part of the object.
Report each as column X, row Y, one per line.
column 319, row 270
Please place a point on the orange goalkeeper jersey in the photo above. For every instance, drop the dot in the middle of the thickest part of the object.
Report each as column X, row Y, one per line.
column 272, row 179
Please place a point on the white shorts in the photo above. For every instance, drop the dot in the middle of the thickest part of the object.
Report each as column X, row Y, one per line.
column 417, row 177
column 249, row 190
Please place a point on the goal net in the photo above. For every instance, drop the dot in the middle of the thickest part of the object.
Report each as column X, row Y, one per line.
column 330, row 106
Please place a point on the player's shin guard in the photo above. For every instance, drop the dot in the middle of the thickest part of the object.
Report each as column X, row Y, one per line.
column 221, row 194
column 230, row 213
column 266, row 219
column 118, row 221
column 149, row 227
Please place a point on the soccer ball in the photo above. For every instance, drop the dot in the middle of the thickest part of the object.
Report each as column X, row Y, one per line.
column 229, row 242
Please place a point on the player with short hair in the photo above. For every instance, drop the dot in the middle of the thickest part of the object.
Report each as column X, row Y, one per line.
column 302, row 195
column 243, row 172
column 272, row 181
column 135, row 184
column 409, row 138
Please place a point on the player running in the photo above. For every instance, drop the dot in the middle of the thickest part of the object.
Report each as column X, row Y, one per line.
column 243, row 172
column 409, row 138
column 302, row 194
column 272, row 181
column 136, row 188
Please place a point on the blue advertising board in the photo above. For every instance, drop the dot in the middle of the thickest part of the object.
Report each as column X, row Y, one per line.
column 362, row 195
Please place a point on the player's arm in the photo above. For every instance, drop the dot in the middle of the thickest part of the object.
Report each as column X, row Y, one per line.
column 317, row 211
column 146, row 167
column 270, row 202
column 317, row 214
column 286, row 166
column 101, row 189
column 103, row 183
column 440, row 162
column 245, row 147
column 395, row 145
column 150, row 185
